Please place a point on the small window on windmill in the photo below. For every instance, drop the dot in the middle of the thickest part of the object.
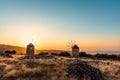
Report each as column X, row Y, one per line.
column 31, row 48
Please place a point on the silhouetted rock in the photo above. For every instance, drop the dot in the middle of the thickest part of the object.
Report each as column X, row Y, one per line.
column 83, row 71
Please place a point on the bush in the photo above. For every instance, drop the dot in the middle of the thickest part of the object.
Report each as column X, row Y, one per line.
column 113, row 56
column 84, row 54
column 118, row 56
column 43, row 54
column 55, row 54
column 10, row 52
column 106, row 56
column 65, row 54
column 102, row 55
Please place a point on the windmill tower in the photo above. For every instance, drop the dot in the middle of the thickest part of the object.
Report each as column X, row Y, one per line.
column 30, row 50
column 75, row 51
column 74, row 47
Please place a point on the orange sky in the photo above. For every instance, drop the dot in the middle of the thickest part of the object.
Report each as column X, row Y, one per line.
column 46, row 39
column 62, row 44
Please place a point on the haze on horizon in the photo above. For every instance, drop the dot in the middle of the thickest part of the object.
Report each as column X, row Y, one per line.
column 93, row 24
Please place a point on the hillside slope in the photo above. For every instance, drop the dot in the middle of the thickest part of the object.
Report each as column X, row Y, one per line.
column 18, row 49
column 22, row 50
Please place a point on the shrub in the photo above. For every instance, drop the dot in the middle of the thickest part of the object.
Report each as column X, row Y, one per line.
column 10, row 52
column 106, row 56
column 55, row 54
column 65, row 54
column 118, row 56
column 102, row 55
column 84, row 54
column 43, row 54
column 113, row 56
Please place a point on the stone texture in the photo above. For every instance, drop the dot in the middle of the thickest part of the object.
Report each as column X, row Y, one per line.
column 83, row 71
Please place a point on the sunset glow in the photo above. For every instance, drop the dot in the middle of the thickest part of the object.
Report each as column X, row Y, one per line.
column 51, row 24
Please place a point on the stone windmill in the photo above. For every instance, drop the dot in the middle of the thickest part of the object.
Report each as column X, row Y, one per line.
column 74, row 47
column 75, row 51
column 30, row 50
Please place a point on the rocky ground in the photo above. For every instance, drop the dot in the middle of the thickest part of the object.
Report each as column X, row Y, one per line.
column 58, row 68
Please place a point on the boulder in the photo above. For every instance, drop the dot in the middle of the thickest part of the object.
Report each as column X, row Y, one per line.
column 83, row 71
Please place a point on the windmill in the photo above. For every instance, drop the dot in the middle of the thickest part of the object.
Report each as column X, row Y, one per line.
column 75, row 49
column 31, row 42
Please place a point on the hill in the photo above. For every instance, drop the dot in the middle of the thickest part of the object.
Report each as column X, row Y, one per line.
column 22, row 50
column 19, row 50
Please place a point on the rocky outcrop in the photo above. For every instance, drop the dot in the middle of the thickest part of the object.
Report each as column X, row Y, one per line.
column 83, row 71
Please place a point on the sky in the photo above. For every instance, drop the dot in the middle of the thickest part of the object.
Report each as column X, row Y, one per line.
column 93, row 24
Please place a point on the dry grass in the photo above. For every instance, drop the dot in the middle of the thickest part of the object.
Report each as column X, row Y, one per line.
column 51, row 69
column 110, row 68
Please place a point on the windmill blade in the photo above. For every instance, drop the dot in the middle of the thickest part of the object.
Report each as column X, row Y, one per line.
column 31, row 40
column 34, row 42
column 26, row 42
column 73, row 42
column 70, row 43
column 37, row 45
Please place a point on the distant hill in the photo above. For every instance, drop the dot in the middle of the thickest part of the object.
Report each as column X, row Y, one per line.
column 19, row 50
column 22, row 50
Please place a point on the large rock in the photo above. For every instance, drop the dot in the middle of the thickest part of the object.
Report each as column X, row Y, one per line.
column 83, row 71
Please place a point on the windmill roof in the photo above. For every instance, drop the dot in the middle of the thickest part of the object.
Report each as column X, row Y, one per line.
column 30, row 44
column 75, row 46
